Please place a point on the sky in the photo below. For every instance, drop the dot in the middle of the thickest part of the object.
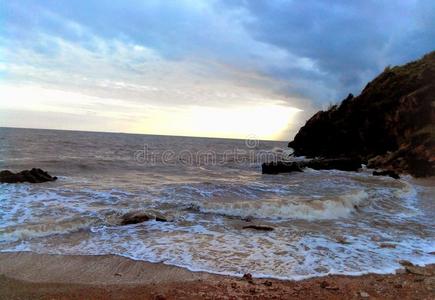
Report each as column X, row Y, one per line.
column 229, row 68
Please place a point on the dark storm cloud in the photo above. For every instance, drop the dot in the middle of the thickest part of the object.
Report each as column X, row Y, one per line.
column 349, row 41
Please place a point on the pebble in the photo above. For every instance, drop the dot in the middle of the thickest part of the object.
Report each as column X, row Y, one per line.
column 247, row 276
column 268, row 283
column 364, row 294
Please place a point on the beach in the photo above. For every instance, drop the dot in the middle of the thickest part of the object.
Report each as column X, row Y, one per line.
column 25, row 275
column 217, row 150
column 204, row 221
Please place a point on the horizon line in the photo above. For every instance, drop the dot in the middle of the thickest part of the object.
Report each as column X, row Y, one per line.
column 133, row 133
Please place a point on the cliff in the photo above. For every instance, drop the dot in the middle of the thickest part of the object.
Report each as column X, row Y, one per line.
column 390, row 125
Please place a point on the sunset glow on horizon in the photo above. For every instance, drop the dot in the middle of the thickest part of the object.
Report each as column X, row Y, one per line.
column 262, row 121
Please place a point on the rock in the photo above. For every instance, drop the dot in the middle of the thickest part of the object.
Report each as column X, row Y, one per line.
column 375, row 238
column 390, row 173
column 387, row 245
column 413, row 269
column 405, row 263
column 280, row 167
column 258, row 227
column 247, row 276
column 32, row 176
column 400, row 271
column 364, row 294
column 418, row 270
column 343, row 164
column 135, row 218
column 342, row 240
column 325, row 285
column 388, row 126
column 248, row 219
column 268, row 283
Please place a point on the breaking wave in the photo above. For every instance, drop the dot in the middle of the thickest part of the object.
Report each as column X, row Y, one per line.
column 292, row 208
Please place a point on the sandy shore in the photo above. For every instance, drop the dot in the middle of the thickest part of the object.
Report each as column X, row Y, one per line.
column 34, row 276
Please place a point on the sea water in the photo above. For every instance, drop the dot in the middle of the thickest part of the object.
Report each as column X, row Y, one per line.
column 325, row 222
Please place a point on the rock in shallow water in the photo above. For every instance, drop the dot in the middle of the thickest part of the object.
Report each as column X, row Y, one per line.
column 258, row 227
column 343, row 164
column 32, row 176
column 390, row 173
column 140, row 217
column 135, row 218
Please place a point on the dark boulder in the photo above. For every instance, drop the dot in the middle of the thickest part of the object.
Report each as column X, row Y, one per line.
column 32, row 176
column 135, row 218
column 280, row 167
column 248, row 277
column 343, row 164
column 258, row 227
column 390, row 173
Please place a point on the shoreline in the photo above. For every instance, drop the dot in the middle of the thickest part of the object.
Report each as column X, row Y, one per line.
column 25, row 275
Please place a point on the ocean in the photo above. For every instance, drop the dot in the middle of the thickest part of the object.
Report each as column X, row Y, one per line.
column 325, row 222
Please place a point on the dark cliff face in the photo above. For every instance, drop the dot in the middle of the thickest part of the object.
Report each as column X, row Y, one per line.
column 389, row 125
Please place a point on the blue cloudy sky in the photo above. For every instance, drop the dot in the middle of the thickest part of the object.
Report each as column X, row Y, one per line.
column 228, row 68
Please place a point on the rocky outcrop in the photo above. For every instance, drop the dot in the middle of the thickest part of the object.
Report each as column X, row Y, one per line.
column 389, row 173
column 280, row 167
column 136, row 217
column 390, row 125
column 414, row 269
column 32, row 176
column 343, row 164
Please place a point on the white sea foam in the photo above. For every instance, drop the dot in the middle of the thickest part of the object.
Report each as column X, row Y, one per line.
column 209, row 243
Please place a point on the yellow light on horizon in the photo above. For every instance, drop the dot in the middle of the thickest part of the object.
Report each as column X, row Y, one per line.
column 268, row 121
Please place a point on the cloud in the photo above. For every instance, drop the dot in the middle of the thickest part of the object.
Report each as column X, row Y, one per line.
column 349, row 42
column 127, row 56
column 79, row 52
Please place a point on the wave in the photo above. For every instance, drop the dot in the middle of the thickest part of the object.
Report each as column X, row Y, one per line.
column 295, row 207
column 29, row 231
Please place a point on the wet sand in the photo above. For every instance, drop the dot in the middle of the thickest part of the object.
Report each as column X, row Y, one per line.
column 25, row 275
